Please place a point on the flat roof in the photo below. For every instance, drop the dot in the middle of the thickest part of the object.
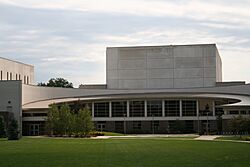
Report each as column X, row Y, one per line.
column 155, row 46
column 16, row 61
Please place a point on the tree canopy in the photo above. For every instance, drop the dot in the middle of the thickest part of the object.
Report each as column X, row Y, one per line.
column 61, row 120
column 57, row 82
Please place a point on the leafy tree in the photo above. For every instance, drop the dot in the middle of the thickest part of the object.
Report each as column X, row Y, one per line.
column 84, row 122
column 239, row 125
column 2, row 128
column 57, row 82
column 62, row 121
column 13, row 133
column 52, row 119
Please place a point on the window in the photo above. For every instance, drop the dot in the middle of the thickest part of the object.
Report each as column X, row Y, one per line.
column 243, row 112
column 189, row 108
column 136, row 108
column 16, row 76
column 155, row 125
column 7, row 76
column 154, row 108
column 172, row 108
column 27, row 79
column 101, row 109
column 219, row 111
column 19, row 77
column 1, row 75
column 233, row 112
column 119, row 109
column 136, row 125
column 10, row 76
column 24, row 79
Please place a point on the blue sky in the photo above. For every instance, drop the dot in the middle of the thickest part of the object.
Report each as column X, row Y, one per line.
column 68, row 38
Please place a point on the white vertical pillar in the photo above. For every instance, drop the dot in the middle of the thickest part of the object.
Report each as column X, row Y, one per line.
column 163, row 107
column 213, row 106
column 110, row 109
column 93, row 109
column 145, row 108
column 127, row 108
column 180, row 108
column 197, row 108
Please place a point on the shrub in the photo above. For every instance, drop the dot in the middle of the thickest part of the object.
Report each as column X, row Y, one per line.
column 2, row 128
column 13, row 133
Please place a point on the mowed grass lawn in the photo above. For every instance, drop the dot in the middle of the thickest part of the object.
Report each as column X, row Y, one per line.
column 144, row 152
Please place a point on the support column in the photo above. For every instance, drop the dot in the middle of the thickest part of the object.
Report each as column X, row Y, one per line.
column 145, row 108
column 110, row 109
column 93, row 109
column 180, row 108
column 127, row 108
column 213, row 105
column 163, row 108
column 197, row 108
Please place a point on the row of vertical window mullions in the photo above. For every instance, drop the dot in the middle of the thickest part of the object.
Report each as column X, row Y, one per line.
column 154, row 108
column 18, row 77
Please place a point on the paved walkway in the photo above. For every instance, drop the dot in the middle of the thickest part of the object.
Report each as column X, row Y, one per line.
column 147, row 136
column 207, row 137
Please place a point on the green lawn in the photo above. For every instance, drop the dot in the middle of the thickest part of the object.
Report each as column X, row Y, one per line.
column 243, row 138
column 123, row 152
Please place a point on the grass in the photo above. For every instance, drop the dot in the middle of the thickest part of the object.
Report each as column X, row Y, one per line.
column 112, row 134
column 243, row 138
column 30, row 152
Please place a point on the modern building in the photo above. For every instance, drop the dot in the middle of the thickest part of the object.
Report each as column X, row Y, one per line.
column 150, row 89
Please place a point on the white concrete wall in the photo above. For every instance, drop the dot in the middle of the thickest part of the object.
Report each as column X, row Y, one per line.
column 183, row 66
column 12, row 70
column 11, row 99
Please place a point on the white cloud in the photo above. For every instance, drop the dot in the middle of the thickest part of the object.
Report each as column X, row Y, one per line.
column 232, row 12
column 68, row 38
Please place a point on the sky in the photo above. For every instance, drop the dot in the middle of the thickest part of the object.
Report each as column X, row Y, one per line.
column 68, row 38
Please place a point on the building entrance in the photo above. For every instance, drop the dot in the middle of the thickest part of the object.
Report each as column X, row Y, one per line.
column 34, row 129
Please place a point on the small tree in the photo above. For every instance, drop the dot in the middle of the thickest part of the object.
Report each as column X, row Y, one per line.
column 2, row 128
column 52, row 119
column 64, row 119
column 84, row 122
column 13, row 133
column 239, row 125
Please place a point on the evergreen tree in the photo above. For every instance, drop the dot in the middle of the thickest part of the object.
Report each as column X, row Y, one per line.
column 13, row 133
column 2, row 128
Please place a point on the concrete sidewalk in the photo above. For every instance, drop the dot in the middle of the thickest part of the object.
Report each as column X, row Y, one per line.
column 147, row 136
column 207, row 137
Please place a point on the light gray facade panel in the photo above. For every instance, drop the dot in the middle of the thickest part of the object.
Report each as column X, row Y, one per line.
column 160, row 63
column 208, row 82
column 191, row 82
column 209, row 51
column 210, row 61
column 112, row 58
column 160, row 53
column 160, row 73
column 160, row 83
column 112, row 84
column 132, row 84
column 210, row 73
column 132, row 53
column 112, row 74
column 188, row 73
column 188, row 62
column 187, row 51
column 132, row 74
column 132, row 64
